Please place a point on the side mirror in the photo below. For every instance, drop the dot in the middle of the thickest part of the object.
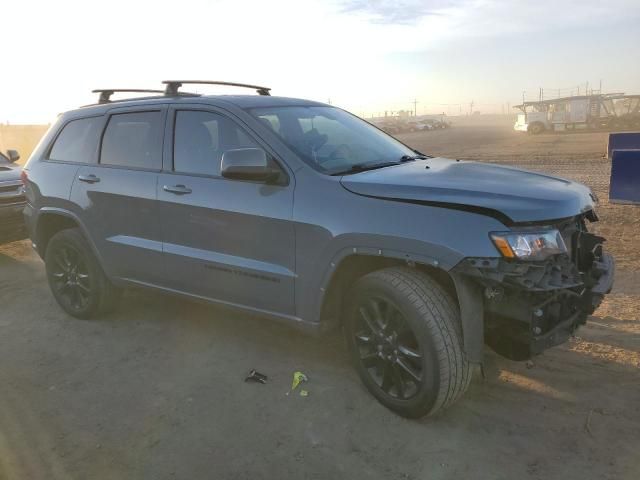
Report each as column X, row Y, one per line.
column 13, row 155
column 247, row 164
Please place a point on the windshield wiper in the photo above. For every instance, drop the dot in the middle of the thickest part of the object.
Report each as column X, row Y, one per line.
column 364, row 167
column 411, row 158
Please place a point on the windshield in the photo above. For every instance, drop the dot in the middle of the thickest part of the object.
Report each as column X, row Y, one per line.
column 332, row 140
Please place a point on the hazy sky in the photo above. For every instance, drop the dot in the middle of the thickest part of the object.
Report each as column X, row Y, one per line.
column 366, row 56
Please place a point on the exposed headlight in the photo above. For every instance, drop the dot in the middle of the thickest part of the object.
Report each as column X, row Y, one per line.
column 529, row 245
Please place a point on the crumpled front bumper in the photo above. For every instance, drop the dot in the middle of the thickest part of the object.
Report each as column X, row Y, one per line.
column 561, row 332
column 529, row 307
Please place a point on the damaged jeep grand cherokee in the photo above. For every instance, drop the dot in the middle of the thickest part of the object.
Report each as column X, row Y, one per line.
column 299, row 211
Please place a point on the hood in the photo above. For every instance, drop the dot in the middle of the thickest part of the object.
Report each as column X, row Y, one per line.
column 509, row 194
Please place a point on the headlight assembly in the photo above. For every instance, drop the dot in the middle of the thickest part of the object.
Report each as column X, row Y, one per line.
column 529, row 245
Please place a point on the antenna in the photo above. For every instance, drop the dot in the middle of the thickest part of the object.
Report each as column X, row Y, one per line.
column 172, row 86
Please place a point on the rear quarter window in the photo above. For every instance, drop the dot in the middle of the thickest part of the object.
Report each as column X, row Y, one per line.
column 77, row 141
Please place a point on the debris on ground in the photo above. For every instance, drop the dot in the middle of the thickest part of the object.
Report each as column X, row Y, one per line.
column 298, row 378
column 255, row 376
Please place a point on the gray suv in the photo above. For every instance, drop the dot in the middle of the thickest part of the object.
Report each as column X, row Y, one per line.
column 302, row 212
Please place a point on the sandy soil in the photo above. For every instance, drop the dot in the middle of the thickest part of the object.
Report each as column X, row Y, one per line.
column 155, row 390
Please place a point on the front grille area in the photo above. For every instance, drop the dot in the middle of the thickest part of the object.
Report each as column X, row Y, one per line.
column 13, row 200
column 15, row 187
column 11, row 193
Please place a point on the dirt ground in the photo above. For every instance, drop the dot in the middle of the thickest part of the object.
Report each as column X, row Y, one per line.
column 156, row 389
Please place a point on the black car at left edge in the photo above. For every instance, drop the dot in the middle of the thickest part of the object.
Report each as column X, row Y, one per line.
column 12, row 199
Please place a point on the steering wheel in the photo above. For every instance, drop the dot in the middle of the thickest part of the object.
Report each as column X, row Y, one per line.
column 342, row 151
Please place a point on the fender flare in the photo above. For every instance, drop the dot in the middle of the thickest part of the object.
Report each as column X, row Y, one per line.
column 469, row 293
column 471, row 304
column 66, row 213
column 314, row 312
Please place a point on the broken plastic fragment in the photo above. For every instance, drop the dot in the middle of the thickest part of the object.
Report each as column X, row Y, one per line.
column 256, row 377
column 298, row 378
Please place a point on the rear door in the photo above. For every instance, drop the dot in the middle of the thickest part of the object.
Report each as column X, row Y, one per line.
column 228, row 240
column 117, row 196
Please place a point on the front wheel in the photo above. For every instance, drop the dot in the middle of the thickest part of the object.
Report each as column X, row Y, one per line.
column 76, row 278
column 404, row 336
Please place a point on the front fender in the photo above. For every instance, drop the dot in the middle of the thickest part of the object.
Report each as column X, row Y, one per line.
column 312, row 289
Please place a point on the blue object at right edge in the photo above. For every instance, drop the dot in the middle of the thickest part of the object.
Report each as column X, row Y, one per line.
column 623, row 141
column 624, row 186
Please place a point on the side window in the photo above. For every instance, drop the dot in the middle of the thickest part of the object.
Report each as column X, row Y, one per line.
column 133, row 140
column 200, row 140
column 78, row 141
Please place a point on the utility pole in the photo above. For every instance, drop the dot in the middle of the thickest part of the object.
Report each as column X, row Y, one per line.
column 415, row 107
column 471, row 108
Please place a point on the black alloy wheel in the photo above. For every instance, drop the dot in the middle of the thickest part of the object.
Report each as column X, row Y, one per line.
column 75, row 276
column 71, row 278
column 403, row 333
column 388, row 348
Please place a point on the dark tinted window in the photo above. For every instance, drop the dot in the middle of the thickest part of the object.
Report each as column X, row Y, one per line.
column 133, row 140
column 200, row 140
column 78, row 141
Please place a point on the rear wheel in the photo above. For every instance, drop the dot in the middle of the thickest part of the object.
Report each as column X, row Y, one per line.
column 536, row 128
column 404, row 337
column 75, row 277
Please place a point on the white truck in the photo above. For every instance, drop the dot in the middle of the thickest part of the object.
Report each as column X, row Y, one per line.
column 601, row 111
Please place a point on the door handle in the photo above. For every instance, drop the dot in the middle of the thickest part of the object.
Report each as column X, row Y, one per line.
column 177, row 189
column 88, row 178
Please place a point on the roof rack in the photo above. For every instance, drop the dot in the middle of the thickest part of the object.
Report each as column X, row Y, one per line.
column 105, row 93
column 174, row 85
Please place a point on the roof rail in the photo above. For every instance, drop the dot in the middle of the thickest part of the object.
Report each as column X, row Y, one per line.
column 105, row 93
column 174, row 85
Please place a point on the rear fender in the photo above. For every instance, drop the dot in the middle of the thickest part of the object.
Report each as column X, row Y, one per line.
column 70, row 215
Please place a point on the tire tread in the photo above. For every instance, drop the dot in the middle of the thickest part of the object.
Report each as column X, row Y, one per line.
column 442, row 318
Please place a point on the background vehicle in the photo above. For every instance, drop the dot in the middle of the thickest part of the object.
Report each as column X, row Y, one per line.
column 420, row 125
column 595, row 111
column 12, row 199
column 303, row 212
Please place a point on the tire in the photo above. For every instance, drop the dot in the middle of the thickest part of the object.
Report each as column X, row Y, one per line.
column 417, row 366
column 536, row 129
column 75, row 277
